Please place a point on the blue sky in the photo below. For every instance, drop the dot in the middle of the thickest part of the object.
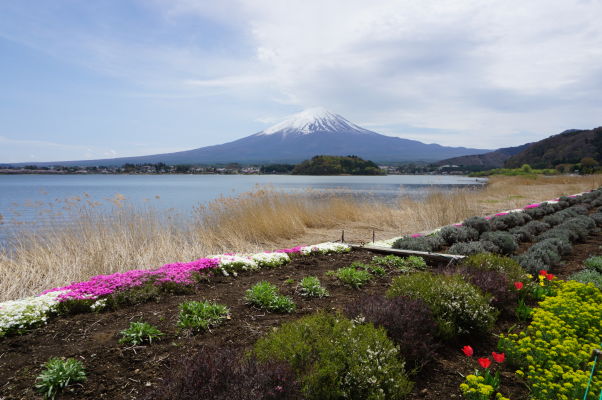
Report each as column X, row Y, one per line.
column 94, row 79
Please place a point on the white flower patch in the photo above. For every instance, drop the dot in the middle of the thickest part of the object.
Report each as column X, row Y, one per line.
column 386, row 242
column 325, row 248
column 270, row 259
column 17, row 315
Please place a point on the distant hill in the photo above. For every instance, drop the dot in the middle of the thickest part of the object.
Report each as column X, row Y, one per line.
column 568, row 147
column 493, row 159
column 299, row 137
column 336, row 165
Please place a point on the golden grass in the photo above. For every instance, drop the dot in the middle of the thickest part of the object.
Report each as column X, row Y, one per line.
column 263, row 219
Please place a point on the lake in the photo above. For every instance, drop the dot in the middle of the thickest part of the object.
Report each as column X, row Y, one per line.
column 36, row 198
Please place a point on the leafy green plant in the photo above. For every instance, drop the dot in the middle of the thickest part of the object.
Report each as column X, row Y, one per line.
column 265, row 295
column 351, row 276
column 140, row 332
column 310, row 287
column 594, row 263
column 201, row 315
column 414, row 263
column 58, row 373
column 523, row 312
column 336, row 358
column 374, row 269
column 458, row 306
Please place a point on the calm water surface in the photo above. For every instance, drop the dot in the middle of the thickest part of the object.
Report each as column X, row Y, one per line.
column 35, row 199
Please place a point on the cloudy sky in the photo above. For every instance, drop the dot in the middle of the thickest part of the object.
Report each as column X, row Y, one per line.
column 84, row 79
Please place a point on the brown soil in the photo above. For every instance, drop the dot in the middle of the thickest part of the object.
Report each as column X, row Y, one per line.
column 120, row 372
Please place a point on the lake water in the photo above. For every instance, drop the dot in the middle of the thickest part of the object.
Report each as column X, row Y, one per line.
column 33, row 199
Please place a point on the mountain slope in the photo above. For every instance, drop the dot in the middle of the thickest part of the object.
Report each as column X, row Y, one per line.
column 301, row 136
column 568, row 147
column 493, row 159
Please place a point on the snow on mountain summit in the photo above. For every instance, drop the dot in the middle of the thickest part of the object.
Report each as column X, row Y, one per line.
column 314, row 120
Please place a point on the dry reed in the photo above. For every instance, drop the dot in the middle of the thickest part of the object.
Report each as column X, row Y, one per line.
column 100, row 243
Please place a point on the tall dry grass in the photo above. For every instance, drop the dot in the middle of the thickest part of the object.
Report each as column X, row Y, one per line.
column 97, row 242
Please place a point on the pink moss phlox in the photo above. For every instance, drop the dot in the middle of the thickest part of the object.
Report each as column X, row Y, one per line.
column 416, row 235
column 487, row 217
column 534, row 205
column 101, row 285
column 500, row 214
column 457, row 224
column 296, row 249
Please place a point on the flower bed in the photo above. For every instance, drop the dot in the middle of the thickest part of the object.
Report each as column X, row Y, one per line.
column 554, row 352
column 18, row 315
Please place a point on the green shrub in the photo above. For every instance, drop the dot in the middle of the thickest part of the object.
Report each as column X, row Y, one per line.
column 352, row 276
column 494, row 262
column 201, row 315
column 58, row 373
column 469, row 248
column 588, row 276
column 337, row 359
column 310, row 287
column 454, row 234
column 594, row 263
column 503, row 240
column 265, row 295
column 138, row 333
column 458, row 306
column 404, row 264
column 479, row 224
column 421, row 243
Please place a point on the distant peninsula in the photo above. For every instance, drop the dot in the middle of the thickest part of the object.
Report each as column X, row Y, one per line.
column 337, row 165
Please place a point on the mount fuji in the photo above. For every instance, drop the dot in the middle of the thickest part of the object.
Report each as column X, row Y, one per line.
column 315, row 131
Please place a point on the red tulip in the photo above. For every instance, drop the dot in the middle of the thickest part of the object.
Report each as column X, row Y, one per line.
column 550, row 277
column 498, row 357
column 518, row 285
column 484, row 362
column 543, row 272
column 468, row 351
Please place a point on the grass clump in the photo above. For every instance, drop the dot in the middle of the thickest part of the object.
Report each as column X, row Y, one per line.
column 594, row 263
column 201, row 315
column 266, row 296
column 140, row 332
column 458, row 307
column 336, row 358
column 58, row 373
column 310, row 287
column 352, row 276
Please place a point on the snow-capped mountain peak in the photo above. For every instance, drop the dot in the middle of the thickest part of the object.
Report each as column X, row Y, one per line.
column 314, row 120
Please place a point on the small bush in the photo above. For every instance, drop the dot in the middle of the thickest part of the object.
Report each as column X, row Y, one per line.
column 458, row 307
column 469, row 248
column 597, row 217
column 503, row 240
column 495, row 283
column 336, row 358
column 494, row 262
column 521, row 235
column 265, row 295
column 223, row 373
column 454, row 234
column 407, row 264
column 536, row 227
column 310, row 287
column 422, row 243
column 201, row 315
column 408, row 322
column 353, row 277
column 594, row 263
column 58, row 373
column 479, row 224
column 138, row 333
column 505, row 222
column 588, row 276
